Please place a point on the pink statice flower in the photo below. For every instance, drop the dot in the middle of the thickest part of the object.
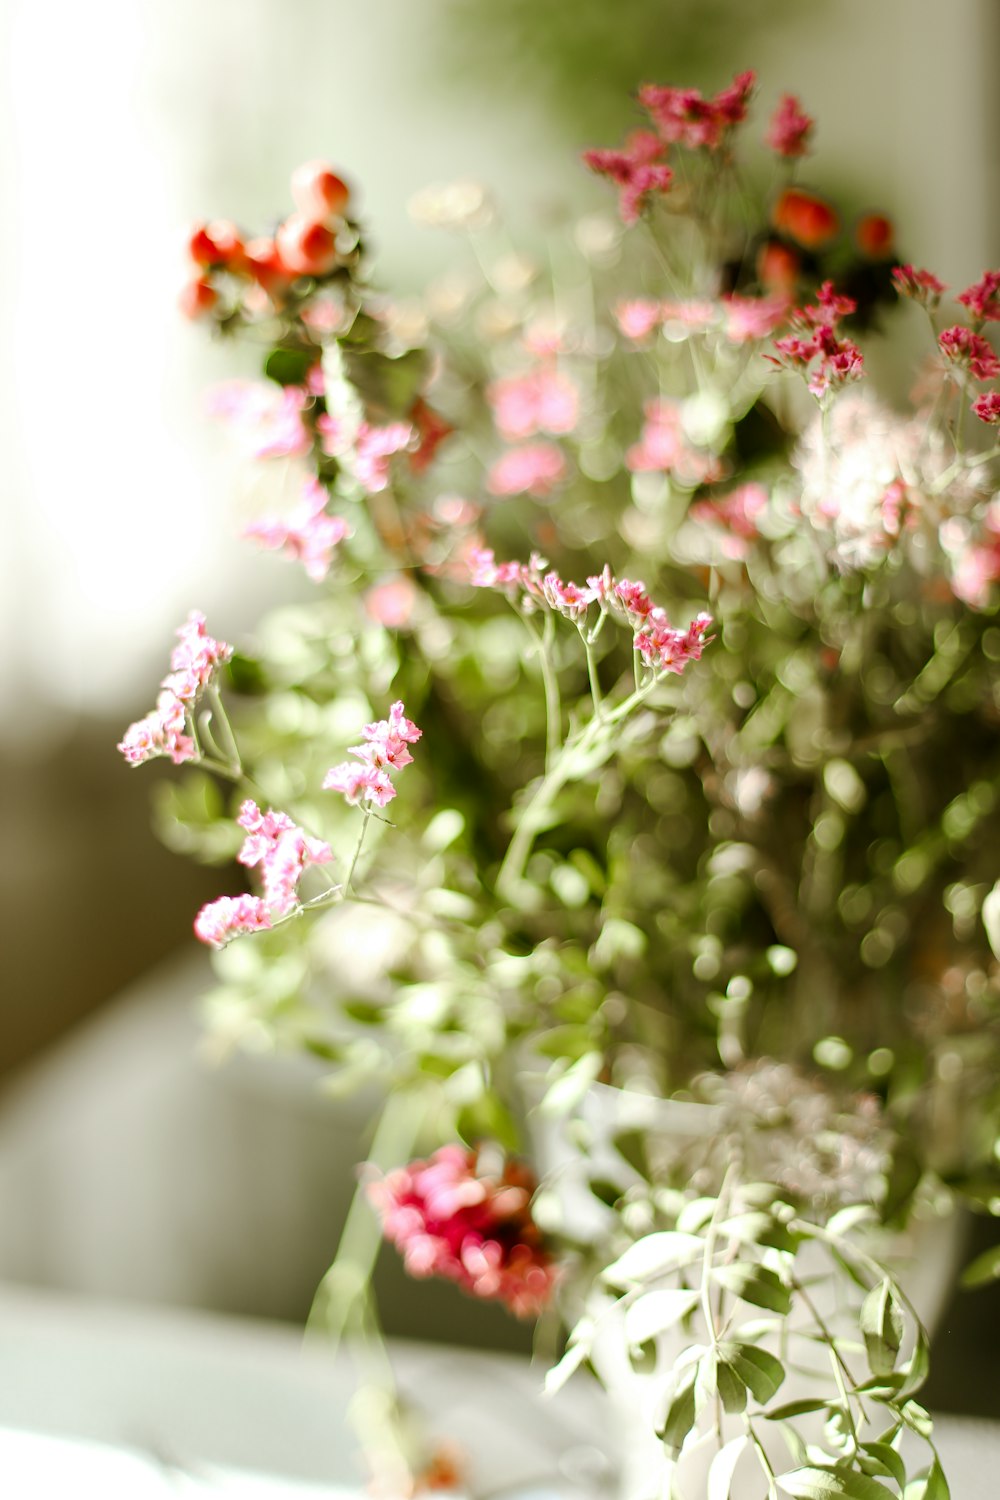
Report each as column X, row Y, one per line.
column 790, row 128
column 282, row 851
column 969, row 351
column 662, row 447
column 637, row 318
column 267, row 417
column 450, row 1216
column 543, row 400
column 486, row 573
column 367, row 452
column 987, row 408
column 691, row 313
column 161, row 732
column 637, row 170
column 735, row 514
column 228, row 917
column 983, row 299
column 385, row 748
column 531, row 468
column 751, row 318
column 975, row 556
column 919, row 285
column 668, row 650
column 196, row 659
column 309, row 535
column 568, row 599
column 684, row 117
column 826, row 362
column 392, row 602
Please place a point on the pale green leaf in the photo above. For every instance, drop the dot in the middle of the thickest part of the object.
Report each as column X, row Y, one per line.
column 832, row 1484
column 723, row 1467
column 653, row 1255
column 656, row 1311
column 882, row 1327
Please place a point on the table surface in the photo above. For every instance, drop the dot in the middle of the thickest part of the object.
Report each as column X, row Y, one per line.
column 126, row 1402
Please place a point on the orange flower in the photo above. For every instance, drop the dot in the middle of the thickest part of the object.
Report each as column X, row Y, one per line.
column 808, row 220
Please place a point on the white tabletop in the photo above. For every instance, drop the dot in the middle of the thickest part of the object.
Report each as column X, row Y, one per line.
column 134, row 1403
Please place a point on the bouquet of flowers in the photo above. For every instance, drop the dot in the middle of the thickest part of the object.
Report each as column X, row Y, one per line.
column 624, row 797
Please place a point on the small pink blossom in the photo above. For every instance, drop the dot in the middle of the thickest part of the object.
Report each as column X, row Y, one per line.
column 532, row 468
column 663, row 448
column 544, row 400
column 360, row 783
column 450, row 1217
column 685, row 117
column 977, row 560
column 983, row 299
column 920, row 286
column 161, row 732
column 828, row 309
column 987, row 408
column 196, row 659
column 668, row 650
column 283, row 852
column 636, row 169
column 384, row 749
column 486, row 573
column 392, row 602
column 268, row 417
column 749, row 318
column 230, row 916
column 369, row 453
column 970, row 351
column 790, row 128
column 691, row 313
column 637, row 318
column 633, row 599
column 736, row 513
column 567, row 599
column 309, row 536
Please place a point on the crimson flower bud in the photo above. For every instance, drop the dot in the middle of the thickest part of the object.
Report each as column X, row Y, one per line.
column 306, row 247
column 318, row 193
column 197, row 299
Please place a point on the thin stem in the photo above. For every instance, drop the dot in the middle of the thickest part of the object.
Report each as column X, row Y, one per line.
column 220, row 716
column 592, row 676
column 553, row 703
column 762, row 1458
column 357, row 847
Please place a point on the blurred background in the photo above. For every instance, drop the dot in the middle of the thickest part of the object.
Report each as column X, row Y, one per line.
column 126, row 1168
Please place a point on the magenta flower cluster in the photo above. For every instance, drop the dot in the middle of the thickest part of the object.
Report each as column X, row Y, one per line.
column 193, row 665
column 384, row 750
column 282, row 852
column 449, row 1217
column 814, row 350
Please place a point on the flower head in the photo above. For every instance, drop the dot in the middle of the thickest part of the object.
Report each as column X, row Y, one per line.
column 161, row 732
column 283, row 852
column 532, row 468
column 637, row 169
column 987, row 408
column 921, row 286
column 451, row 1216
column 790, row 129
column 230, row 916
column 544, row 400
column 983, row 299
column 970, row 351
column 309, row 535
column 384, row 749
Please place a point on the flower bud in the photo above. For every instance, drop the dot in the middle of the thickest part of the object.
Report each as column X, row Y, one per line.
column 306, row 247
column 318, row 193
column 197, row 299
column 805, row 218
column 217, row 244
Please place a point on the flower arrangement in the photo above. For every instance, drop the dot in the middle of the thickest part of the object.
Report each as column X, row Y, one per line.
column 678, row 960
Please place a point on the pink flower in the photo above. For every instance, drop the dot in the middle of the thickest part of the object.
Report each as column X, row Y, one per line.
column 969, row 351
column 309, row 536
column 983, row 299
column 668, row 650
column 826, row 361
column 229, row 917
column 750, row 318
column 690, row 313
column 283, row 852
column 196, row 660
column 369, row 454
column 662, row 447
column 384, row 749
column 533, row 469
column 828, row 309
column 567, row 599
column 636, row 169
column 987, row 408
column 920, row 286
column 685, row 117
column 544, row 400
column 736, row 513
column 633, row 599
column 977, row 565
column 637, row 319
column 161, row 732
column 450, row 1217
column 269, row 417
column 790, row 128
column 486, row 573
column 392, row 603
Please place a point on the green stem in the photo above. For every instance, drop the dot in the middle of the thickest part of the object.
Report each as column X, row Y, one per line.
column 357, row 848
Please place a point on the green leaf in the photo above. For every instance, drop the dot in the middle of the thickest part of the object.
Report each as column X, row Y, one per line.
column 828, row 1484
column 797, row 1408
column 886, row 1461
column 656, row 1311
column 732, row 1389
column 917, row 1367
column 937, row 1485
column 917, row 1418
column 654, row 1255
column 882, row 1327
column 983, row 1269
column 569, row 1088
column 757, row 1285
column 723, row 1467
column 290, row 366
column 759, row 1371
column 680, row 1412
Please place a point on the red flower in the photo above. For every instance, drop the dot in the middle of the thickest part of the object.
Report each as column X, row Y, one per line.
column 808, row 220
column 983, row 299
column 789, row 131
column 874, row 236
column 921, row 286
column 970, row 351
column 637, row 169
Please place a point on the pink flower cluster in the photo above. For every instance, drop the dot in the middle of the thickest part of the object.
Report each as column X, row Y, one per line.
column 268, row 417
column 736, row 514
column 309, row 535
column 826, row 361
column 983, row 299
column 684, row 117
column 449, row 1217
column 282, row 851
column 969, row 351
column 543, row 400
column 530, row 469
column 228, row 917
column 790, row 128
column 662, row 447
column 976, row 566
column 987, row 408
column 638, row 170
column 384, row 750
column 369, row 452
column 193, row 664
column 920, row 286
column 661, row 646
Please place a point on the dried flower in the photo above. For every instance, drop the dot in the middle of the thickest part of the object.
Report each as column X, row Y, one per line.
column 790, row 128
column 230, row 916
